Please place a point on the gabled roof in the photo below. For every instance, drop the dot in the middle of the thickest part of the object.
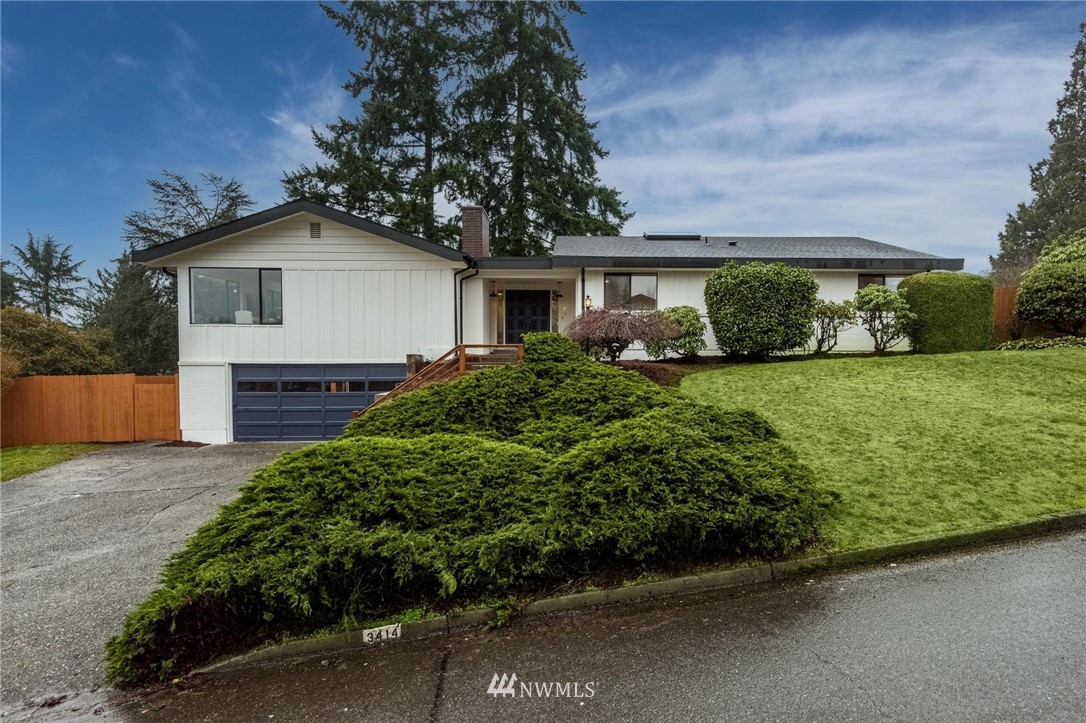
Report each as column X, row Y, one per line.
column 850, row 252
column 286, row 210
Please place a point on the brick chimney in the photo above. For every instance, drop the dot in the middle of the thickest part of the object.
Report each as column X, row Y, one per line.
column 475, row 237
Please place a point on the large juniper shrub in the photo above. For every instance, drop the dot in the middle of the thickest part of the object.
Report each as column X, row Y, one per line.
column 570, row 467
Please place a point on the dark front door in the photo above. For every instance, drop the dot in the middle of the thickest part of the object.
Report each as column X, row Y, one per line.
column 526, row 311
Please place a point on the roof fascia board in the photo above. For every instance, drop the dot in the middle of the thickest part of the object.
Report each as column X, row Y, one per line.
column 847, row 264
column 286, row 210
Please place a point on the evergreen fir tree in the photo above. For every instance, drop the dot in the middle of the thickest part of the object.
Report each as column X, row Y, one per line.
column 392, row 161
column 1058, row 182
column 47, row 276
column 529, row 150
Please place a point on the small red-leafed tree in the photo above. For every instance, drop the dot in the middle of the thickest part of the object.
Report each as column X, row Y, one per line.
column 614, row 331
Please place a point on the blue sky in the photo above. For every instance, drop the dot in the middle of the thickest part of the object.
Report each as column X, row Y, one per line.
column 910, row 123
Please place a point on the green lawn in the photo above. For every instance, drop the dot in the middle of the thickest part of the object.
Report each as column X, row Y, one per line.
column 17, row 461
column 922, row 445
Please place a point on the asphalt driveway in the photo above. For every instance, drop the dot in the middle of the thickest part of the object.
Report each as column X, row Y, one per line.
column 83, row 542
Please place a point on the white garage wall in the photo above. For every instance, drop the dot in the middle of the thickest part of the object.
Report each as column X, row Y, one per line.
column 205, row 402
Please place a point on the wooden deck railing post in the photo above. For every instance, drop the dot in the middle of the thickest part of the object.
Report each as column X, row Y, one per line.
column 463, row 359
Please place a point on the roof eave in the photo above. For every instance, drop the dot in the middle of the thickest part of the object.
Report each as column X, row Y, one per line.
column 278, row 213
column 693, row 262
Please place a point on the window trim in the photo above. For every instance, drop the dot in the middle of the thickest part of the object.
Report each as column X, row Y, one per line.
column 259, row 316
column 631, row 274
column 870, row 283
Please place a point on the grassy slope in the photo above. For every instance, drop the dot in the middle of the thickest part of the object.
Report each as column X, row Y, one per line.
column 926, row 444
column 19, row 461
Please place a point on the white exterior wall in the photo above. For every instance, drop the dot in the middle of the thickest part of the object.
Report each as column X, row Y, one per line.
column 483, row 314
column 687, row 288
column 204, row 392
column 348, row 297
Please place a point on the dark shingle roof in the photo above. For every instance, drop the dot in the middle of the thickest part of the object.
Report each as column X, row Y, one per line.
column 813, row 252
column 745, row 247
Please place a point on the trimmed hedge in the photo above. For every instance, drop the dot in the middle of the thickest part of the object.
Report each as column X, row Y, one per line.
column 566, row 467
column 757, row 309
column 1054, row 295
column 954, row 312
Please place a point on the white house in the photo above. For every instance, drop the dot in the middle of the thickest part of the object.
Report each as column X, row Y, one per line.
column 291, row 318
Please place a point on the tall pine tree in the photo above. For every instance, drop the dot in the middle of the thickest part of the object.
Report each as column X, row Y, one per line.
column 394, row 159
column 1058, row 182
column 137, row 304
column 477, row 101
column 47, row 276
column 528, row 147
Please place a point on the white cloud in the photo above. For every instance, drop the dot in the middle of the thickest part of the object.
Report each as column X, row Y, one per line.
column 917, row 139
column 11, row 57
column 125, row 61
column 305, row 103
column 280, row 139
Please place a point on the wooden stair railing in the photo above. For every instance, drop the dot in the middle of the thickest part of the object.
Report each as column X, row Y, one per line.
column 453, row 364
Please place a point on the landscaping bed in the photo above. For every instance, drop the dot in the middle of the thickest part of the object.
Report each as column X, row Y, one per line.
column 515, row 479
column 920, row 445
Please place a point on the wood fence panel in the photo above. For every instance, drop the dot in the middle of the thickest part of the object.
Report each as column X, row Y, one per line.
column 98, row 408
column 1005, row 325
column 18, row 428
column 155, row 401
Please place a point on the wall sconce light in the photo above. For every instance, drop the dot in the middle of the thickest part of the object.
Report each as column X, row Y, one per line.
column 492, row 294
column 587, row 301
column 557, row 294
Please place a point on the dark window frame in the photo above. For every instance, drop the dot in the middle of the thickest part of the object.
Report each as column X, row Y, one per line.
column 629, row 275
column 259, row 316
column 873, row 280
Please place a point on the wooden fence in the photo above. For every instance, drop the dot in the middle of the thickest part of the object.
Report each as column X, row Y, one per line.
column 1005, row 323
column 98, row 408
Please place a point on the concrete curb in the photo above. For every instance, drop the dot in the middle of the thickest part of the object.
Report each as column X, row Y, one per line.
column 703, row 582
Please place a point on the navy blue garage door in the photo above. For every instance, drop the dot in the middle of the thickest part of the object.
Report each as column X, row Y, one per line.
column 296, row 401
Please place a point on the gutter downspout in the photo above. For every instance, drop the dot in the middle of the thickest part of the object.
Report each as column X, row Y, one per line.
column 583, row 290
column 458, row 297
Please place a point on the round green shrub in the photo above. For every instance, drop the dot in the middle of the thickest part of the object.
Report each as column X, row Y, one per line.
column 954, row 312
column 1065, row 249
column 1054, row 295
column 756, row 309
column 689, row 344
column 884, row 314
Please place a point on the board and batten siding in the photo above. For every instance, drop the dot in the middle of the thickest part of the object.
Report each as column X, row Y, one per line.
column 348, row 296
column 687, row 288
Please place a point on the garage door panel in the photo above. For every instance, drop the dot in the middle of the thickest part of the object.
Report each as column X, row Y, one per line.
column 256, row 401
column 346, row 371
column 302, row 401
column 255, row 372
column 257, row 431
column 386, row 371
column 305, row 401
column 300, row 430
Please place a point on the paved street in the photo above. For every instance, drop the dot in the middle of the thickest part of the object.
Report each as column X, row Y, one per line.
column 84, row 542
column 993, row 635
